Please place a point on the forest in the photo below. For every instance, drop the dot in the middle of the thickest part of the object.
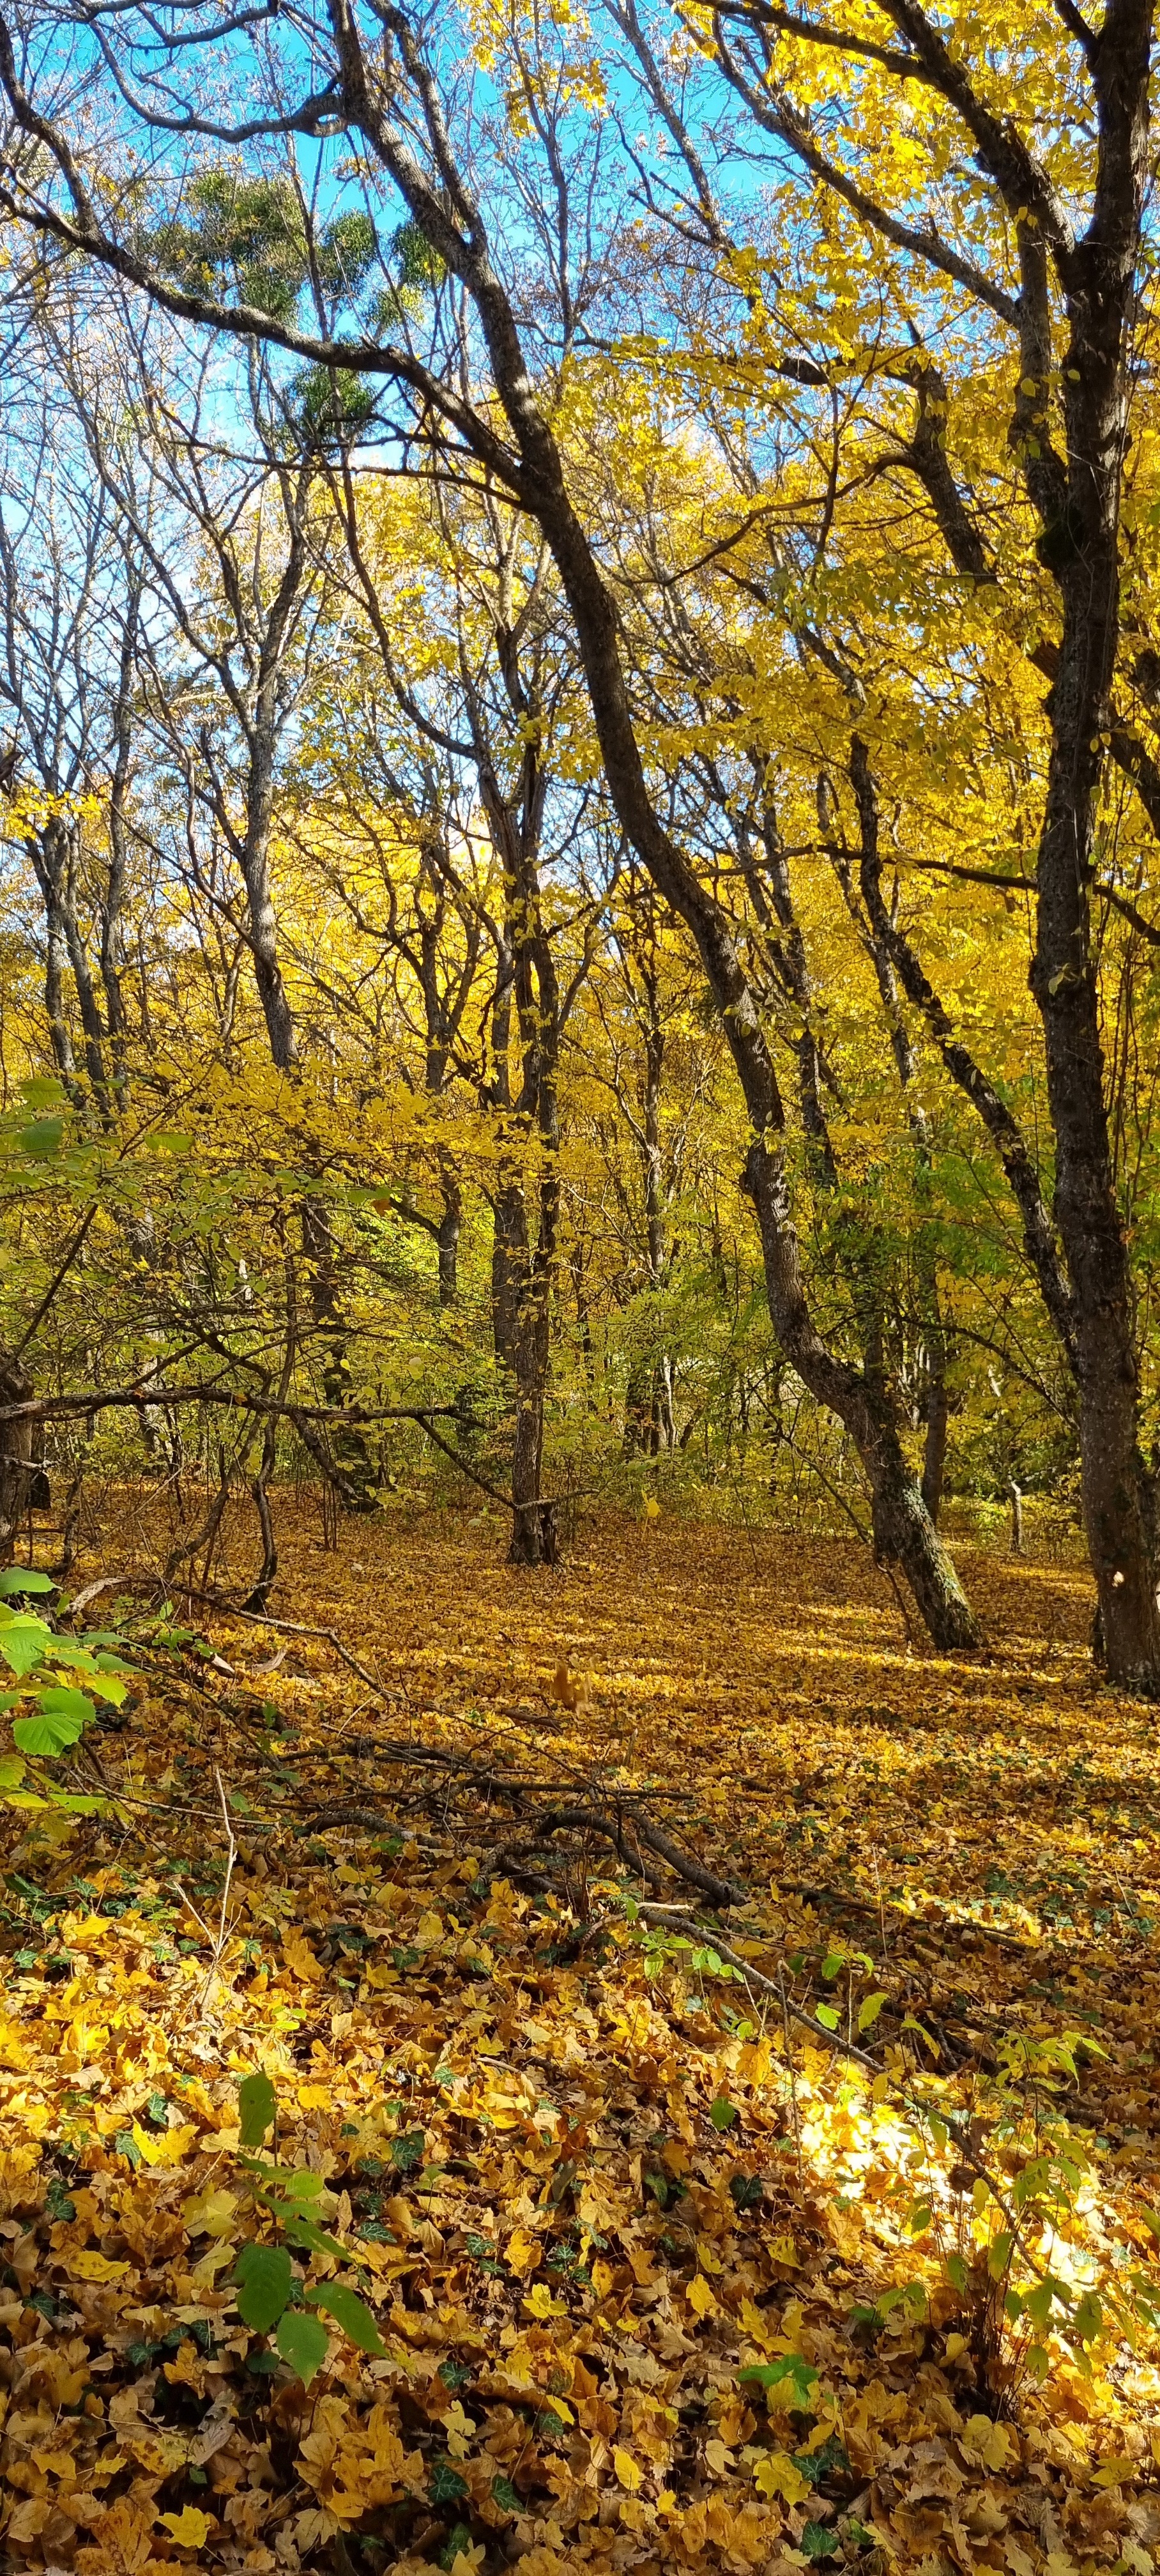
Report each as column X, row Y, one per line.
column 579, row 1336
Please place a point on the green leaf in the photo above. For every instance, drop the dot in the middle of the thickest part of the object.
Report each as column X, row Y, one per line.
column 302, row 2341
column 42, row 1139
column 818, row 2542
column 265, row 2277
column 42, row 1091
column 722, row 2112
column 505, row 2496
column 313, row 2240
column 869, row 2010
column 789, row 2365
column 296, row 2188
column 11, row 1771
column 24, row 1642
column 833, row 1963
column 447, row 2487
column 351, row 2313
column 257, row 2105
column 408, row 2149
column 23, row 1578
column 50, row 1732
column 827, row 2016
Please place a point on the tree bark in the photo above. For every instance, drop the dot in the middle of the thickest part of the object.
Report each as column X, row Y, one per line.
column 1082, row 549
column 17, row 1464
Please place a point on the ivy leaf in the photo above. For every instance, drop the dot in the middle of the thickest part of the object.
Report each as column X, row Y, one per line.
column 447, row 2487
column 817, row 2542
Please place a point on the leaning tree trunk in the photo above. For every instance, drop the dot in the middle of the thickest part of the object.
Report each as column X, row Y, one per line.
column 904, row 1533
column 903, row 1529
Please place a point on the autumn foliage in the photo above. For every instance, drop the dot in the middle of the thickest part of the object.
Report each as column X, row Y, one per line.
column 644, row 2275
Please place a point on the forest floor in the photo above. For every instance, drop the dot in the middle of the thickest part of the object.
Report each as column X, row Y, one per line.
column 587, row 2168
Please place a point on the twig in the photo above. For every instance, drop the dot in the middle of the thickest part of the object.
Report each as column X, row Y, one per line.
column 232, row 1854
column 797, row 2133
column 293, row 1628
column 58, row 1277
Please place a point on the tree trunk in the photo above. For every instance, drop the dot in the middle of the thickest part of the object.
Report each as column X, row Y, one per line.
column 509, row 1256
column 1082, row 548
column 904, row 1533
column 934, row 1452
column 352, row 1469
column 903, row 1527
column 534, row 1538
column 17, row 1465
column 447, row 1243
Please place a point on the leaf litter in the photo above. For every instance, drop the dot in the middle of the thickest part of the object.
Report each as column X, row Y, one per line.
column 601, row 2225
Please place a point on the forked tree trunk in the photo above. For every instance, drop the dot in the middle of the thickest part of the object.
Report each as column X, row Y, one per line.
column 904, row 1533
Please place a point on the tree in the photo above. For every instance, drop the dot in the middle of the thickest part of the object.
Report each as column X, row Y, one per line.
column 509, row 434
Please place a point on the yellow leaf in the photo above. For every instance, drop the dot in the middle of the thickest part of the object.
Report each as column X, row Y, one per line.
column 299, row 1957
column 189, row 2527
column 700, row 2297
column 523, row 2252
column 95, row 2267
column 777, row 2474
column 990, row 2443
column 171, row 2148
column 543, row 2305
column 209, row 2213
column 1114, row 2473
column 157, row 2450
column 627, row 2471
column 213, row 2261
